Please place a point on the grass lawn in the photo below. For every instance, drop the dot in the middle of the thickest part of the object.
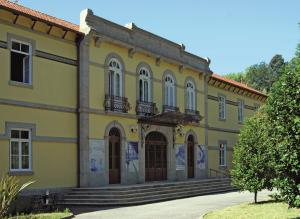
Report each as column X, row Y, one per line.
column 261, row 210
column 54, row 215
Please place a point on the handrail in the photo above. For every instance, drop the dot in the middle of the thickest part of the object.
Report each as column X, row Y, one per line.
column 218, row 173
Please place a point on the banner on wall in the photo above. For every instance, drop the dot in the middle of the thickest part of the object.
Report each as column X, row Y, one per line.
column 97, row 156
column 201, row 157
column 180, row 157
column 132, row 156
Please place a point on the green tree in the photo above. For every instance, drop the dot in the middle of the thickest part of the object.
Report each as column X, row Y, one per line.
column 276, row 65
column 239, row 77
column 258, row 76
column 251, row 161
column 283, row 110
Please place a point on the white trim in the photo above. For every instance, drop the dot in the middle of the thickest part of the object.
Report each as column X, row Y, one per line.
column 29, row 54
column 190, row 95
column 20, row 141
column 169, row 86
column 117, row 81
column 146, row 79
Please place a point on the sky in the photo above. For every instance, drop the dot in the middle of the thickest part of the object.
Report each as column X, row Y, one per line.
column 234, row 34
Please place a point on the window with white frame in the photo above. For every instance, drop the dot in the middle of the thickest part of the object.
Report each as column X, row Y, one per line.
column 222, row 107
column 115, row 77
column 20, row 55
column 169, row 91
column 240, row 111
column 144, row 85
column 20, row 150
column 190, row 95
column 222, row 153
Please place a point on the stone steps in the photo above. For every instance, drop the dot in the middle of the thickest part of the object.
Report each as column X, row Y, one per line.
column 144, row 193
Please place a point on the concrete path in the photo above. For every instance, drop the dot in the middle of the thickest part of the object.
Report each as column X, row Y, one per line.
column 188, row 208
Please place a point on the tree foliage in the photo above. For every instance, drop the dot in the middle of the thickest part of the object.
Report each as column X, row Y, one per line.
column 251, row 164
column 261, row 76
column 283, row 111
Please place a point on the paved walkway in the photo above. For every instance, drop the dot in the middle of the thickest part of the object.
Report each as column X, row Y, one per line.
column 188, row 208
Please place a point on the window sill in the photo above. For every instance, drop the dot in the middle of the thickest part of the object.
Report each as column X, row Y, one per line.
column 21, row 173
column 20, row 84
column 222, row 120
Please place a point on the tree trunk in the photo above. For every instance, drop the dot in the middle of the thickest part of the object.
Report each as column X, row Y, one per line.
column 255, row 197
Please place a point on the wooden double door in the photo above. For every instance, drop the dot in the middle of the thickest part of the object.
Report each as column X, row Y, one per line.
column 114, row 156
column 155, row 157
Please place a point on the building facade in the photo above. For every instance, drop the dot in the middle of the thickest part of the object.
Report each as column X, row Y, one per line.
column 99, row 104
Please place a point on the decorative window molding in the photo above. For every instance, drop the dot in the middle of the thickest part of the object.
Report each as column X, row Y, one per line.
column 144, row 83
column 114, row 75
column 169, row 89
column 240, row 111
column 222, row 153
column 190, row 95
column 222, row 107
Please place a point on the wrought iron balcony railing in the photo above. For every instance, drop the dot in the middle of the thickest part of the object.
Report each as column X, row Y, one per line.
column 194, row 114
column 145, row 108
column 167, row 108
column 116, row 104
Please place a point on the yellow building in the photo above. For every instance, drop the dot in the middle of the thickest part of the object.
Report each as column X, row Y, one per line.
column 100, row 104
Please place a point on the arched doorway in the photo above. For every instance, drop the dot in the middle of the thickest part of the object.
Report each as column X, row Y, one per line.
column 156, row 157
column 114, row 156
column 190, row 156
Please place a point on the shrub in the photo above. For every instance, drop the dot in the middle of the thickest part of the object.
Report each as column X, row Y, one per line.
column 9, row 190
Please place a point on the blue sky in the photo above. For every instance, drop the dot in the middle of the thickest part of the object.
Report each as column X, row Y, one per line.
column 234, row 34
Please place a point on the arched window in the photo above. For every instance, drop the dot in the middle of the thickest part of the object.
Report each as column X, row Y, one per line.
column 190, row 96
column 115, row 77
column 144, row 85
column 169, row 91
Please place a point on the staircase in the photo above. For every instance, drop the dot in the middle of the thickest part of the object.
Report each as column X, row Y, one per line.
column 122, row 195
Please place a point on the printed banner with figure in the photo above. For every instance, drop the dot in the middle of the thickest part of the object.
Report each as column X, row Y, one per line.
column 132, row 156
column 201, row 157
column 180, row 157
column 97, row 156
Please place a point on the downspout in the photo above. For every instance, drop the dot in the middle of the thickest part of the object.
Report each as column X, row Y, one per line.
column 78, row 41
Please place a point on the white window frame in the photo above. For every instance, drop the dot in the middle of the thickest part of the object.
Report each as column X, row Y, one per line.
column 222, row 107
column 113, row 73
column 222, row 152
column 191, row 96
column 30, row 60
column 20, row 141
column 170, row 91
column 241, row 111
column 145, row 79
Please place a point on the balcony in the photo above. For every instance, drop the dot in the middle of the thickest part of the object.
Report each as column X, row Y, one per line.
column 167, row 108
column 145, row 108
column 116, row 104
column 195, row 115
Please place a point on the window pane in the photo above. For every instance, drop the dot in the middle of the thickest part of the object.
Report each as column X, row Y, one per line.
column 118, row 85
column 141, row 90
column 14, row 162
column 17, row 66
column 24, row 48
column 26, row 68
column 25, row 162
column 25, row 134
column 14, row 148
column 15, row 46
column 15, row 134
column 25, row 148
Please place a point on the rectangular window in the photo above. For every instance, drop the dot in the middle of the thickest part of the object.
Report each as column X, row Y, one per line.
column 222, row 106
column 20, row 150
column 20, row 66
column 240, row 111
column 222, row 154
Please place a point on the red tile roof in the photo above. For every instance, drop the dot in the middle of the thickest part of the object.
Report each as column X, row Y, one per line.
column 38, row 15
column 237, row 84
